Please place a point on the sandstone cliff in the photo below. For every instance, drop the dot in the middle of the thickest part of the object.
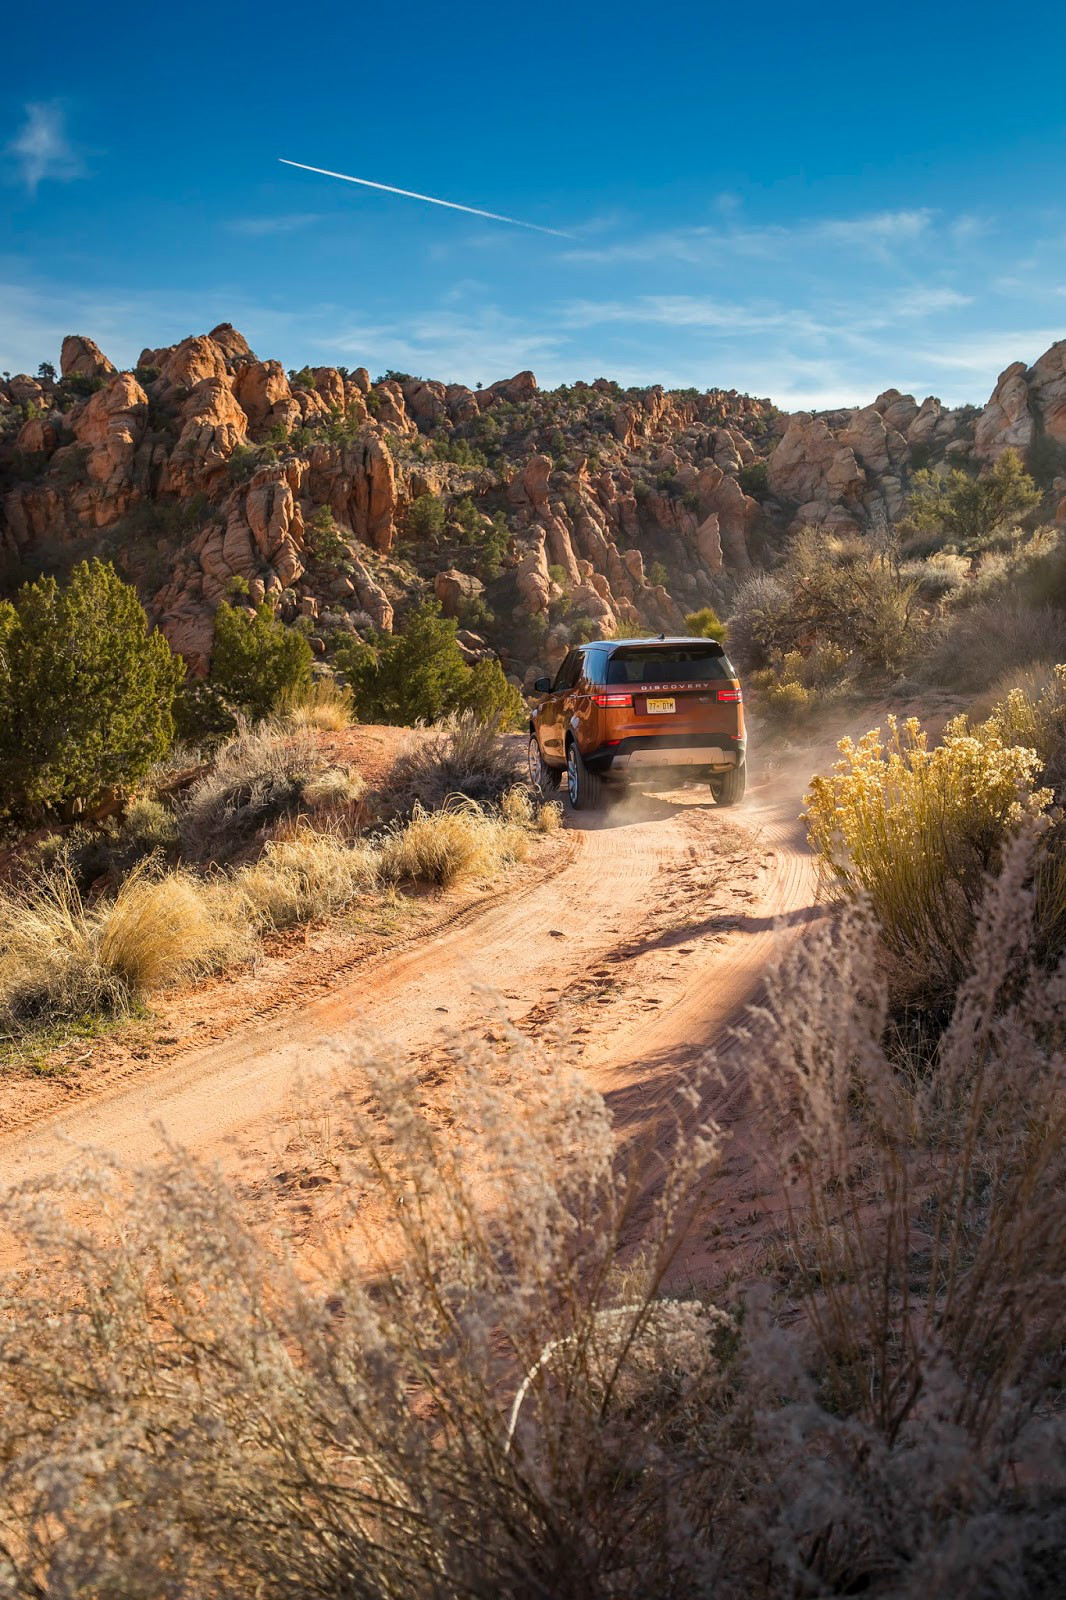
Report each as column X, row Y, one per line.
column 207, row 473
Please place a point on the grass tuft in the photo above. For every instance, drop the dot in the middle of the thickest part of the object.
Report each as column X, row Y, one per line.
column 62, row 959
column 445, row 847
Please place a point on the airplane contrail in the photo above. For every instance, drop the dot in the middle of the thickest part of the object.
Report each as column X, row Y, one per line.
column 410, row 194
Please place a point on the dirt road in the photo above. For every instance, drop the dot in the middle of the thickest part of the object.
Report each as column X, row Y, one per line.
column 645, row 931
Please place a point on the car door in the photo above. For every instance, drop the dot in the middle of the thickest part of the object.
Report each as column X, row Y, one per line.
column 553, row 715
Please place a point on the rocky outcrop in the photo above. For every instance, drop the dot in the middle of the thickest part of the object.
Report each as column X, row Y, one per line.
column 523, row 386
column 454, row 589
column 813, row 468
column 213, row 425
column 876, row 446
column 897, row 410
column 258, row 387
column 426, row 402
column 391, row 410
column 1047, row 384
column 38, row 436
column 276, row 522
column 188, row 364
column 83, row 358
column 234, row 345
column 358, row 483
column 1006, row 422
column 111, row 426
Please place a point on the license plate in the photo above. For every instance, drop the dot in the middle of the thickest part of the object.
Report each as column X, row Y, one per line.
column 659, row 705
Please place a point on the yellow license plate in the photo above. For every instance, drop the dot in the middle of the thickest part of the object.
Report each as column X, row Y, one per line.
column 660, row 705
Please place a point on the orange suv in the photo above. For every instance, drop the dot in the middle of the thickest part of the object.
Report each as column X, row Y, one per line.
column 639, row 708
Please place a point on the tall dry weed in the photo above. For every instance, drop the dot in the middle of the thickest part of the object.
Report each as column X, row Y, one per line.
column 927, row 1249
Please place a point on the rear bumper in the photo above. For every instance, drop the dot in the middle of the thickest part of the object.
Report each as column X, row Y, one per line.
column 714, row 752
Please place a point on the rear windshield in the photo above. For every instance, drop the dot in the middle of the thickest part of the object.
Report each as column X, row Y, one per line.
column 673, row 664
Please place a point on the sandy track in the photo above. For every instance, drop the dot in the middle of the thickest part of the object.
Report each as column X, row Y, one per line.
column 645, row 936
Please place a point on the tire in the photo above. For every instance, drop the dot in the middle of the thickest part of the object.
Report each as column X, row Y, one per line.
column 728, row 787
column 541, row 776
column 583, row 787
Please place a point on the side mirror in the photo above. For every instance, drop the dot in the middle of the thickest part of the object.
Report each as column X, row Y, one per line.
column 542, row 686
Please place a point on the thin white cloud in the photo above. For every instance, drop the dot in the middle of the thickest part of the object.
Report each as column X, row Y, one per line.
column 876, row 234
column 926, row 302
column 482, row 344
column 41, row 149
column 262, row 227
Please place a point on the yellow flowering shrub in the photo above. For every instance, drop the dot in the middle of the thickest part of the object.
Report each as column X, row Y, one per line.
column 918, row 831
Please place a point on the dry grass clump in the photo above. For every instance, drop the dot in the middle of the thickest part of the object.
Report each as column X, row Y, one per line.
column 917, row 831
column 460, row 756
column 259, row 779
column 303, row 878
column 482, row 1390
column 322, row 704
column 524, row 807
column 456, row 842
column 62, row 959
column 972, row 648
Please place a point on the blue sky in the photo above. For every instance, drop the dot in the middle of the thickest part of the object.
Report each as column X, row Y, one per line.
column 811, row 203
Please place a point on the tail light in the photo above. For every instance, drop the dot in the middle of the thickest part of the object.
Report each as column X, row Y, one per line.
column 613, row 701
column 730, row 695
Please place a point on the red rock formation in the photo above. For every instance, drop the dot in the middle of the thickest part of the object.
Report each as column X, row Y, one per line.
column 83, row 358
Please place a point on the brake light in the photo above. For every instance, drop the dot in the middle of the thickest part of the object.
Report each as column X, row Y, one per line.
column 731, row 695
column 612, row 700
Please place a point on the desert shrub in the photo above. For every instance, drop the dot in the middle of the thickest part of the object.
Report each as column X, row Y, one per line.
column 972, row 648
column 420, row 675
column 1029, row 571
column 202, row 713
column 259, row 779
column 146, row 831
column 460, row 756
column 705, row 624
column 321, row 703
column 779, row 696
column 759, row 624
column 425, row 516
column 86, row 691
column 304, row 877
column 917, row 831
column 62, row 959
column 755, row 480
column 935, row 577
column 970, row 512
column 326, row 542
column 369, row 1450
column 256, row 659
column 488, row 695
column 526, row 809
column 796, row 686
column 459, row 840
column 840, row 590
